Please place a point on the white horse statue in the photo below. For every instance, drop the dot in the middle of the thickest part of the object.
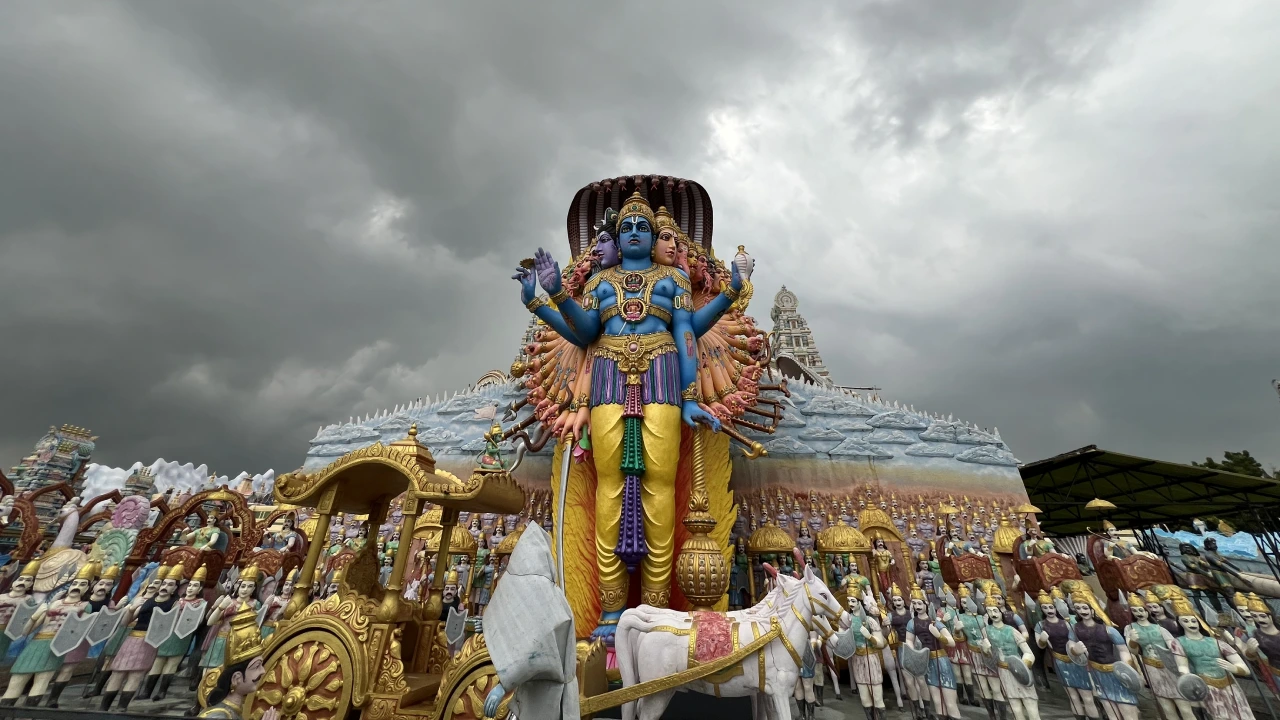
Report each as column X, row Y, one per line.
column 654, row 643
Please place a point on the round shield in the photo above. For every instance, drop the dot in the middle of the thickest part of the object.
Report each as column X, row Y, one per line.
column 1192, row 688
column 1127, row 676
column 1081, row 660
column 1020, row 671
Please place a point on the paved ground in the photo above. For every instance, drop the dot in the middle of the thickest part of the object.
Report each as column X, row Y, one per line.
column 1053, row 706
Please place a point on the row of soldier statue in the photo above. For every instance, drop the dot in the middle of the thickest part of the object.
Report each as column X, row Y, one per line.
column 142, row 640
column 978, row 650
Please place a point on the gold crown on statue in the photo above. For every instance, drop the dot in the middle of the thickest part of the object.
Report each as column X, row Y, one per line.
column 201, row 574
column 176, row 573
column 161, row 573
column 111, row 573
column 1044, row 598
column 32, row 569
column 451, row 578
column 245, row 640
column 636, row 206
column 1182, row 606
column 88, row 571
column 1135, row 600
column 1257, row 604
column 916, row 592
column 250, row 573
column 895, row 591
column 1108, row 525
column 992, row 600
column 664, row 219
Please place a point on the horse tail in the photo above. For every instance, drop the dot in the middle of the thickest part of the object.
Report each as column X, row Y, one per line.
column 626, row 642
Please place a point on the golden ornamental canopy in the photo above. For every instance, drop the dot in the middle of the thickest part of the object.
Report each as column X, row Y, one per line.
column 841, row 538
column 1006, row 537
column 430, row 530
column 508, row 544
column 770, row 538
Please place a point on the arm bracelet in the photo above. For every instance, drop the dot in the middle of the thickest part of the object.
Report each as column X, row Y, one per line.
column 558, row 297
column 730, row 293
column 535, row 303
column 691, row 393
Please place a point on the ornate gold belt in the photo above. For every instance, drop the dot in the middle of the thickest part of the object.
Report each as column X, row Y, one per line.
column 1061, row 657
column 938, row 653
column 1152, row 662
column 1101, row 667
column 867, row 651
column 1222, row 682
column 633, row 353
column 137, row 633
column 46, row 636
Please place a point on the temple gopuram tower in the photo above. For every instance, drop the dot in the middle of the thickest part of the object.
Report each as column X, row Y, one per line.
column 60, row 456
column 792, row 337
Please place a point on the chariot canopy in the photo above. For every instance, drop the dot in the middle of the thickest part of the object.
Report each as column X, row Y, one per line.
column 385, row 471
column 1145, row 492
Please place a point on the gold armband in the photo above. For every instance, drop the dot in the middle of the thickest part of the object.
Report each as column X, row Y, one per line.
column 730, row 293
column 533, row 305
column 558, row 297
column 691, row 393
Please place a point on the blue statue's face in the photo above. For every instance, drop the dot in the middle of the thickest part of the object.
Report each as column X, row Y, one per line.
column 636, row 237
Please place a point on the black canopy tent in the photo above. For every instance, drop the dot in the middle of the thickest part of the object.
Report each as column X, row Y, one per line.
column 1145, row 492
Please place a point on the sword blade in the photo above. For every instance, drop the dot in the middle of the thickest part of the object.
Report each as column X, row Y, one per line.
column 566, row 455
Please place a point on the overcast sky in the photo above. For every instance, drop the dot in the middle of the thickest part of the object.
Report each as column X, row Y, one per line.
column 224, row 224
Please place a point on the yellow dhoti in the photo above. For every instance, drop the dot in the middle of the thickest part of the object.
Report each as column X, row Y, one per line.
column 661, row 432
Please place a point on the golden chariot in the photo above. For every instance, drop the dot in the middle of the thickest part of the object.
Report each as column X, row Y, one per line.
column 366, row 649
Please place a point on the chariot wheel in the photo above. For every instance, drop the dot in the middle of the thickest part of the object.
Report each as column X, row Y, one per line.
column 309, row 677
column 465, row 700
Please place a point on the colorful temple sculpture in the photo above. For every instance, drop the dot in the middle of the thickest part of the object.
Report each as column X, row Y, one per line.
column 696, row 497
column 809, row 455
column 61, row 456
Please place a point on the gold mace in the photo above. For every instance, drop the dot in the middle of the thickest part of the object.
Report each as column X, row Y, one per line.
column 701, row 569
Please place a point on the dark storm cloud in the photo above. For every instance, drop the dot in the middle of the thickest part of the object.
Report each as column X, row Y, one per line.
column 224, row 224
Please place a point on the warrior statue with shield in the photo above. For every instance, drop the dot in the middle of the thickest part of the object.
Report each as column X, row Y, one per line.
column 1115, row 682
column 136, row 656
column 936, row 680
column 1013, row 658
column 1054, row 633
column 40, row 661
column 177, row 634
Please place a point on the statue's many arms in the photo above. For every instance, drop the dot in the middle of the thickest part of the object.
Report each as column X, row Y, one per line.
column 637, row 322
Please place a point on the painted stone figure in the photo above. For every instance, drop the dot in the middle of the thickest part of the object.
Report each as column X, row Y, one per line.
column 1005, row 646
column 638, row 323
column 37, row 662
column 865, row 671
column 17, row 596
column 1156, row 647
column 170, row 653
column 1216, row 662
column 135, row 657
column 221, row 614
column 939, row 680
column 1097, row 639
column 1054, row 634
